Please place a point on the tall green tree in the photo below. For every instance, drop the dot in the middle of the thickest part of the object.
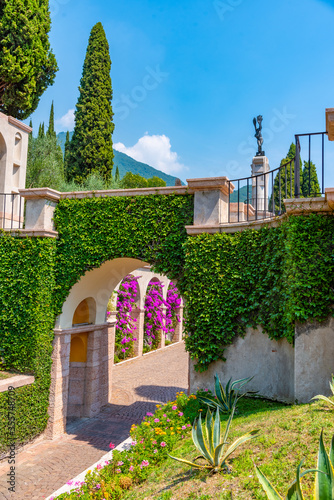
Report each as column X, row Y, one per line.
column 91, row 145
column 117, row 176
column 41, row 131
column 51, row 128
column 27, row 64
column 66, row 153
column 310, row 185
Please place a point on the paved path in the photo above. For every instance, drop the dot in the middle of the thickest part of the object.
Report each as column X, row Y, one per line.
column 138, row 386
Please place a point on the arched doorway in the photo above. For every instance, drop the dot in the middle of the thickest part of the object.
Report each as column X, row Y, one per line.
column 83, row 356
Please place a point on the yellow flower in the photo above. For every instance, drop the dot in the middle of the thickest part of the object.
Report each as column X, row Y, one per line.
column 172, row 433
column 158, row 406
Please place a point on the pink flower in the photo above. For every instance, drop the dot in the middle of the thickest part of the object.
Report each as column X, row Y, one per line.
column 98, row 486
column 155, row 451
column 206, row 390
column 120, row 463
column 183, row 427
column 174, row 407
column 99, row 466
column 133, row 443
column 69, row 483
column 164, row 415
column 163, row 444
column 149, row 414
column 106, row 462
column 180, row 414
column 131, row 468
column 168, row 419
column 118, row 471
column 141, row 442
column 156, row 420
column 154, row 442
column 144, row 463
column 112, row 446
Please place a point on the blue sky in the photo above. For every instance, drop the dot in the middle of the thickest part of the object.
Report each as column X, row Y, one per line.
column 188, row 77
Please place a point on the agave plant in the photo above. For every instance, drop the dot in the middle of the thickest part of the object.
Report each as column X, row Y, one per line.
column 226, row 398
column 212, row 444
column 324, row 482
column 331, row 385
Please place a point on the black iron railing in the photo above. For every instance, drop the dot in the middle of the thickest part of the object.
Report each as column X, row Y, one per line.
column 308, row 187
column 11, row 211
column 261, row 196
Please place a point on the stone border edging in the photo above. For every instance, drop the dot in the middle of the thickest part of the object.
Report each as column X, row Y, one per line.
column 16, row 381
column 125, row 445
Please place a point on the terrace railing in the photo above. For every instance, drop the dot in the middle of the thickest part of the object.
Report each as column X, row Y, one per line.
column 11, row 211
column 261, row 196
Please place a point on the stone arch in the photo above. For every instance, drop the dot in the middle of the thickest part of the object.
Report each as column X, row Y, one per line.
column 100, row 283
column 83, row 353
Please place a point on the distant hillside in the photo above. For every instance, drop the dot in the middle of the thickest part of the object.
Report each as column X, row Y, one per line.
column 242, row 194
column 127, row 164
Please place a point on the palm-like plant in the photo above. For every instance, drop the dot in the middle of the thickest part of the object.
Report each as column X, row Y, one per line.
column 324, row 482
column 324, row 398
column 228, row 397
column 212, row 444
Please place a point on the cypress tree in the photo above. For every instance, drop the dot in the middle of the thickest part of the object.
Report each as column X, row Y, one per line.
column 66, row 152
column 51, row 130
column 310, row 189
column 117, row 176
column 41, row 130
column 27, row 65
column 91, row 145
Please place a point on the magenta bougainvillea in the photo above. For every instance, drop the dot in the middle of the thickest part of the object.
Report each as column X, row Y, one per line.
column 160, row 316
column 125, row 323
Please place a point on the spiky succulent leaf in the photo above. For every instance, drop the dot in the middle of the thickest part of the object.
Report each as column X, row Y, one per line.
column 199, row 439
column 295, row 490
column 272, row 493
column 209, row 430
column 331, row 384
column 324, row 483
column 192, row 464
column 324, row 399
column 217, row 431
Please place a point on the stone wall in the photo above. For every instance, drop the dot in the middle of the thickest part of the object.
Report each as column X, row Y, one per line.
column 281, row 372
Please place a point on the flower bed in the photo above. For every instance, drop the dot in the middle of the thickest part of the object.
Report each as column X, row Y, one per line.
column 151, row 441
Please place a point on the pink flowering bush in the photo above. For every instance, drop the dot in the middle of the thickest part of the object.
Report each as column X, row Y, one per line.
column 160, row 314
column 125, row 323
column 152, row 440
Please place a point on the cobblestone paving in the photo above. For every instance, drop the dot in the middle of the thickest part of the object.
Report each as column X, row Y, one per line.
column 138, row 386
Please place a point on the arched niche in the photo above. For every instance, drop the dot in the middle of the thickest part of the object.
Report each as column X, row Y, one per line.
column 85, row 312
column 3, row 158
column 78, row 352
column 17, row 148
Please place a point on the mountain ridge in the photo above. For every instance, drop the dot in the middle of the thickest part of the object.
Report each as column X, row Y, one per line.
column 127, row 164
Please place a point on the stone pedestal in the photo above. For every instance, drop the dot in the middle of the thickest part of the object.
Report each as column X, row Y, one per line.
column 260, row 184
column 40, row 207
column 211, row 200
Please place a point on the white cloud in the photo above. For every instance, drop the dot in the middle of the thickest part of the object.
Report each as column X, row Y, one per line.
column 156, row 151
column 66, row 122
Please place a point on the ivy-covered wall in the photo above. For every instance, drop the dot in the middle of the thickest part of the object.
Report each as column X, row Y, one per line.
column 36, row 275
column 271, row 277
column 26, row 328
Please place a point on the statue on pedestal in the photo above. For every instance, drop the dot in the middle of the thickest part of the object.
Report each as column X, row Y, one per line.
column 258, row 135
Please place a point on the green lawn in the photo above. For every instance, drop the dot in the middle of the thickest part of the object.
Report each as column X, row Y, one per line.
column 289, row 434
column 4, row 374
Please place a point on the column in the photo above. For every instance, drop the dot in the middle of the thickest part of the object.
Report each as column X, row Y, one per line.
column 59, row 385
